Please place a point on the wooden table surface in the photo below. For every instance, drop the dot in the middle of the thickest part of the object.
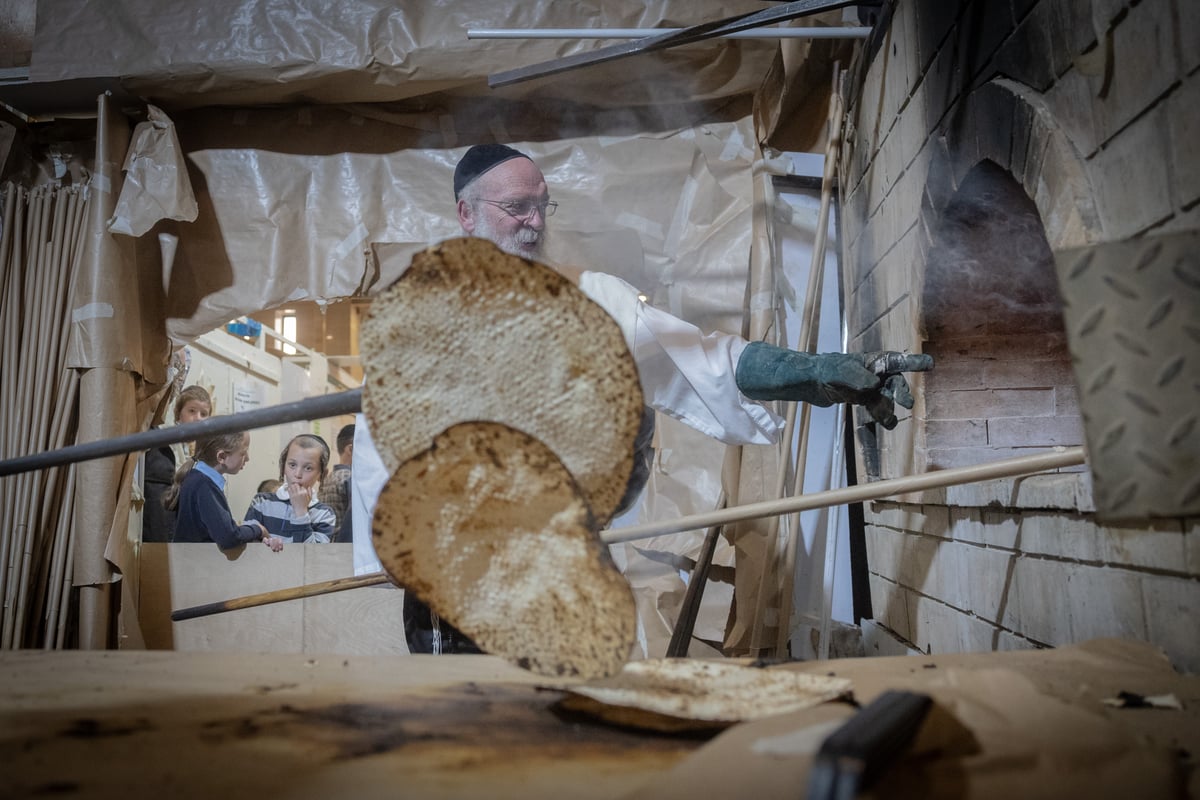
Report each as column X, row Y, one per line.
column 225, row 726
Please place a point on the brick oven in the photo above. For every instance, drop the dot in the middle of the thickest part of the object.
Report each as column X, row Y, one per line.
column 995, row 152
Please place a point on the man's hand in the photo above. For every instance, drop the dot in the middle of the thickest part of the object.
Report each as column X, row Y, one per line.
column 872, row 380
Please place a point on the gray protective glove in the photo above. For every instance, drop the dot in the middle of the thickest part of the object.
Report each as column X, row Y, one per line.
column 872, row 380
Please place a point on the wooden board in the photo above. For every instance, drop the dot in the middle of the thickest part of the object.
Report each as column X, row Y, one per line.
column 143, row 724
column 363, row 621
column 130, row 724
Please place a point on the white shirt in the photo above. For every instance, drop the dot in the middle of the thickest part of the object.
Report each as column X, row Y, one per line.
column 685, row 374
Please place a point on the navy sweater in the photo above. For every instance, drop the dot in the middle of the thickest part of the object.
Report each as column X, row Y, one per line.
column 203, row 515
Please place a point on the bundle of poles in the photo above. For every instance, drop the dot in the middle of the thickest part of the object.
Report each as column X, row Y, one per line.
column 43, row 237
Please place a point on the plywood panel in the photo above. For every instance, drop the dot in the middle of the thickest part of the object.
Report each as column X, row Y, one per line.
column 363, row 621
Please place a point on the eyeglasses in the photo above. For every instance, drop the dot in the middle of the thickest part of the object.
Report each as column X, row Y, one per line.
column 523, row 209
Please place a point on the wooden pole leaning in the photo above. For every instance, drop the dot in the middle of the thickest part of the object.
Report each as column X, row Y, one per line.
column 1058, row 458
column 808, row 343
column 279, row 595
column 1005, row 468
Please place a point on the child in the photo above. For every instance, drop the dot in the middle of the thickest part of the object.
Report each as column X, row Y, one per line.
column 194, row 404
column 198, row 496
column 293, row 512
column 269, row 485
column 158, row 522
column 335, row 492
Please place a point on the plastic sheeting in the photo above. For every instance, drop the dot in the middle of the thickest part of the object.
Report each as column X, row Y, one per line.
column 669, row 213
column 650, row 158
column 156, row 184
column 247, row 52
column 321, row 203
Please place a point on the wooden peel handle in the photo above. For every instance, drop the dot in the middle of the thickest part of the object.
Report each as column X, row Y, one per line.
column 279, row 595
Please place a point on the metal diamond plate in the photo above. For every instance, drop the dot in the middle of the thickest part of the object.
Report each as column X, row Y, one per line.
column 1132, row 311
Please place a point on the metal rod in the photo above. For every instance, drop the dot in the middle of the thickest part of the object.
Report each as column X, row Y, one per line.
column 662, row 41
column 857, row 32
column 329, row 405
column 280, row 595
column 1004, row 468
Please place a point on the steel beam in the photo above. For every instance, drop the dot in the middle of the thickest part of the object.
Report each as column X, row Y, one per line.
column 695, row 33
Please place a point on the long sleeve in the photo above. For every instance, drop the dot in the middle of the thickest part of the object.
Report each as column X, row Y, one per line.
column 278, row 517
column 321, row 523
column 685, row 374
column 204, row 516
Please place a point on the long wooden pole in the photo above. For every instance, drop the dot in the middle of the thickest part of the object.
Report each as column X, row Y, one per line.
column 1005, row 468
column 784, row 534
column 808, row 343
column 14, row 232
column 58, row 562
column 279, row 595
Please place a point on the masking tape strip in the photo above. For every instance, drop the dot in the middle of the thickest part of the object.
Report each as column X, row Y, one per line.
column 683, row 210
column 92, row 311
column 762, row 301
column 675, row 299
column 802, row 742
column 641, row 224
column 351, row 242
column 735, row 145
column 101, row 182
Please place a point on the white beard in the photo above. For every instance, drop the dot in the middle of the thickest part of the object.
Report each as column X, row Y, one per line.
column 517, row 243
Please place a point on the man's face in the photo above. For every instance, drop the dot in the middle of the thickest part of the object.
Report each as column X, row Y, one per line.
column 516, row 182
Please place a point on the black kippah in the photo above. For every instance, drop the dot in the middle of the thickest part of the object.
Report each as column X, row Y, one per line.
column 478, row 160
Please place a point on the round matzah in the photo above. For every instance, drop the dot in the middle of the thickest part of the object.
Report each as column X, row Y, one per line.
column 488, row 528
column 470, row 332
column 713, row 692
